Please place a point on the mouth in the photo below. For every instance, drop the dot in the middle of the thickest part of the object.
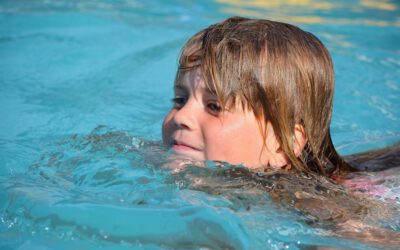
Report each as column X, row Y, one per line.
column 182, row 146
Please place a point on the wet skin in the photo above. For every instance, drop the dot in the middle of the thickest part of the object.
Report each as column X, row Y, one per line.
column 198, row 128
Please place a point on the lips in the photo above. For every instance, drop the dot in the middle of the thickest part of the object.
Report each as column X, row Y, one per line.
column 183, row 146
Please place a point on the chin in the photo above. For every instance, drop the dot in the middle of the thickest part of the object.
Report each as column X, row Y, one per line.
column 185, row 155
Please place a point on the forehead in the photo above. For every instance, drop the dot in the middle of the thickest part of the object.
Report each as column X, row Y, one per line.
column 191, row 80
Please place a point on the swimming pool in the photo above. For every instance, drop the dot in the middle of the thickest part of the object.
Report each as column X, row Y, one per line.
column 84, row 87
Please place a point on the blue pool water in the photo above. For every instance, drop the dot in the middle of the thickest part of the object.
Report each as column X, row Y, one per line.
column 84, row 86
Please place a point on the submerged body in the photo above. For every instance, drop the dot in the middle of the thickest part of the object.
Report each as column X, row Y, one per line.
column 375, row 174
column 369, row 213
column 337, row 206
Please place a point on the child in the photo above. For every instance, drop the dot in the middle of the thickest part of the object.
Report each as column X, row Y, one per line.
column 259, row 93
column 255, row 92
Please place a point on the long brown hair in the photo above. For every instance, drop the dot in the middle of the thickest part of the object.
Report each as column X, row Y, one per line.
column 282, row 73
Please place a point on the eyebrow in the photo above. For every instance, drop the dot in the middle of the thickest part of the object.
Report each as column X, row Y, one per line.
column 207, row 89
column 178, row 86
column 210, row 90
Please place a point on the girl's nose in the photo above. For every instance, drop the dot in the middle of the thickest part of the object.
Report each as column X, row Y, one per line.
column 185, row 117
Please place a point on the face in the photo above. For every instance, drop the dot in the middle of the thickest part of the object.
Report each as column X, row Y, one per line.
column 198, row 128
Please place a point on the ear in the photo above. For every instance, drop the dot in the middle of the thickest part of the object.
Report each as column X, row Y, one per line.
column 300, row 139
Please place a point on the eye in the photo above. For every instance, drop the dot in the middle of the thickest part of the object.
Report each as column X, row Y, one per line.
column 179, row 102
column 214, row 107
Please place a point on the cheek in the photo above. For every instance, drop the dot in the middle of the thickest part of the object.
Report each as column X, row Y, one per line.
column 222, row 140
column 237, row 143
column 168, row 127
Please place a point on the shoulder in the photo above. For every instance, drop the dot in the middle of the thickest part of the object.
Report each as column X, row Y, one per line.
column 376, row 160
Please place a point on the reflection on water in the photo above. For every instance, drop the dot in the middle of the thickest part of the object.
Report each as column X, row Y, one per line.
column 311, row 4
column 381, row 5
column 288, row 11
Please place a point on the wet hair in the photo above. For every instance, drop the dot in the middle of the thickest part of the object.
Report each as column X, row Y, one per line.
column 282, row 73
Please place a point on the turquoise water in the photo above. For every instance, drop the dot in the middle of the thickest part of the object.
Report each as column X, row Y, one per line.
column 84, row 87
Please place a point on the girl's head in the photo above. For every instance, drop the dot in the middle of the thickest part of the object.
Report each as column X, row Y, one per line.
column 254, row 92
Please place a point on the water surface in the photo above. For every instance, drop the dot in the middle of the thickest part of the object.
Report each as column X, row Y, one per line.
column 84, row 87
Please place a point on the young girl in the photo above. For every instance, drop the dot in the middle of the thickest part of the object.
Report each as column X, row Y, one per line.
column 255, row 92
column 259, row 93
